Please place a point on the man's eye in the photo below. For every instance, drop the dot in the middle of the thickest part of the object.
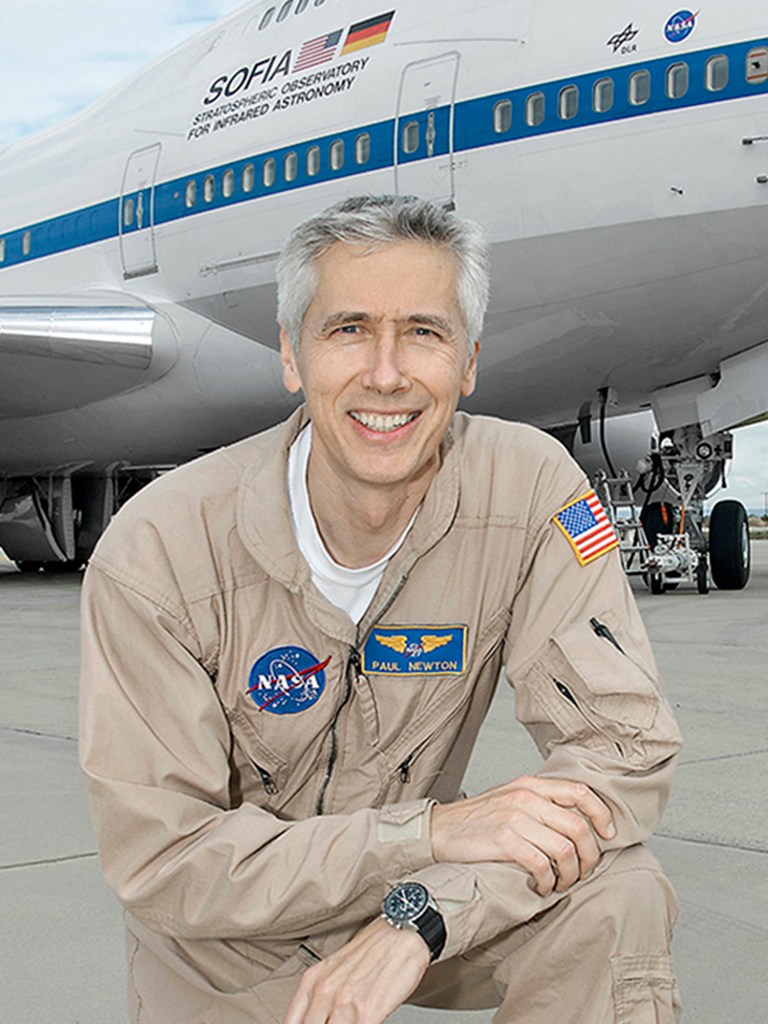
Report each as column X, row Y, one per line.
column 348, row 329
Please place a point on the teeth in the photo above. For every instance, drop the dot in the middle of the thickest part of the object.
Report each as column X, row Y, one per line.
column 383, row 424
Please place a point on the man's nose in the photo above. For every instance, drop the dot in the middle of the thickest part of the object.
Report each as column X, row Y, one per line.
column 386, row 371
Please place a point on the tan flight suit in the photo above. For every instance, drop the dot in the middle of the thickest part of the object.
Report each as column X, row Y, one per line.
column 261, row 770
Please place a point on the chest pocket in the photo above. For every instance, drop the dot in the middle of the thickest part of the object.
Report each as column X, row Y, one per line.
column 281, row 726
column 427, row 723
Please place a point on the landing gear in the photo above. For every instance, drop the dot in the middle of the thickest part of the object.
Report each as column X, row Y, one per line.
column 729, row 550
column 668, row 544
column 28, row 567
column 692, row 465
column 52, row 523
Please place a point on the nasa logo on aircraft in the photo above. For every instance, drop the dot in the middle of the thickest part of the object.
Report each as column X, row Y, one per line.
column 286, row 680
column 680, row 26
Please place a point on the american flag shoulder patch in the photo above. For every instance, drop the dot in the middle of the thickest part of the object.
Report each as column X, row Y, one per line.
column 587, row 527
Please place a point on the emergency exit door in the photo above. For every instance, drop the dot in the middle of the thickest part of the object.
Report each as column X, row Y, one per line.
column 424, row 128
column 137, row 213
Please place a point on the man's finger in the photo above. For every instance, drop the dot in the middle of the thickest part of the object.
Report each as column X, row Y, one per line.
column 576, row 795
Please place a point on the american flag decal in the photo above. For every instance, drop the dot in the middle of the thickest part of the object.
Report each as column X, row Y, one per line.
column 587, row 527
column 317, row 51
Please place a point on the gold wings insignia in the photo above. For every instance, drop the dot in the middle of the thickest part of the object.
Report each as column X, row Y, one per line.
column 395, row 643
column 429, row 643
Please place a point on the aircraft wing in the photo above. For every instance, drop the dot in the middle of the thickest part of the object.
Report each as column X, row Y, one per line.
column 61, row 353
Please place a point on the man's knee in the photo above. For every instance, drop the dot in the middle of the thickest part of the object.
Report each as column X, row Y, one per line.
column 633, row 900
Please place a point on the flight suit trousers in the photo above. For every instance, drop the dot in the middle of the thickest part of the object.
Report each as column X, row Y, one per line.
column 599, row 955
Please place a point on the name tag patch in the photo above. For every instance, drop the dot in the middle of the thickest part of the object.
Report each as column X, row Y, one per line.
column 415, row 650
column 286, row 680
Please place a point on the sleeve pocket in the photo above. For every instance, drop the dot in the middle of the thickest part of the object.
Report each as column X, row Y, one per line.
column 607, row 681
column 591, row 692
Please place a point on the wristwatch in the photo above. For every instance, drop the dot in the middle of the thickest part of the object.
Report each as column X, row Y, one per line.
column 409, row 905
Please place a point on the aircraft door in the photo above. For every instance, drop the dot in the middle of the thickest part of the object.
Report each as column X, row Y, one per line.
column 137, row 213
column 424, row 129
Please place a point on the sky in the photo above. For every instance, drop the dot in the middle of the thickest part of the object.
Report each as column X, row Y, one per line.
column 58, row 55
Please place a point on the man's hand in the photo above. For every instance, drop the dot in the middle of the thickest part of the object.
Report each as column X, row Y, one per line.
column 364, row 981
column 547, row 826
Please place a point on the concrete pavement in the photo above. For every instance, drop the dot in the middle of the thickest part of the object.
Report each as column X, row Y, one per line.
column 61, row 941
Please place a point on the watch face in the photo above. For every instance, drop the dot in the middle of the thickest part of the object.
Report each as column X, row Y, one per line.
column 405, row 902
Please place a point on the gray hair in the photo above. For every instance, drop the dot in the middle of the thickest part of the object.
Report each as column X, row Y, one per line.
column 381, row 221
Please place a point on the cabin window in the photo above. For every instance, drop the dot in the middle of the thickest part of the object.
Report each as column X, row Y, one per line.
column 26, row 243
column 266, row 18
column 568, row 102
column 313, row 161
column 291, row 165
column 639, row 88
column 716, row 73
column 319, row 3
column 249, row 177
column 602, row 95
column 534, row 109
column 502, row 116
column 301, row 6
column 362, row 148
column 190, row 194
column 128, row 211
column 337, row 154
column 285, row 10
column 268, row 172
column 209, row 188
column 677, row 80
column 228, row 183
column 757, row 65
column 411, row 137
column 2, row 250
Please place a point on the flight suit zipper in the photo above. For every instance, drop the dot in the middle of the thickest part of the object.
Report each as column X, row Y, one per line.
column 352, row 672
column 600, row 629
column 266, row 779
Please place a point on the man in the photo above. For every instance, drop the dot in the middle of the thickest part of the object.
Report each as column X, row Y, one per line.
column 290, row 645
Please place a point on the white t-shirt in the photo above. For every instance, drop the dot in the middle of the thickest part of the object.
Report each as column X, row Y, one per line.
column 349, row 589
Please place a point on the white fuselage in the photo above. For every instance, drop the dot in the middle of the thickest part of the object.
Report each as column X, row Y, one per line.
column 628, row 242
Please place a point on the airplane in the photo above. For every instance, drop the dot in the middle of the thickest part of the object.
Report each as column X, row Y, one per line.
column 616, row 156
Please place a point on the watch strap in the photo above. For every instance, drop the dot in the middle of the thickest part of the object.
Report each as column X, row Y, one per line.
column 431, row 928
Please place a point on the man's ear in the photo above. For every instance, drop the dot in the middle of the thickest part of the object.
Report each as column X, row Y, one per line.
column 291, row 377
column 470, row 374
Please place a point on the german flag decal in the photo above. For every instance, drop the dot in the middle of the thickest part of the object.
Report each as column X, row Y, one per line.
column 368, row 33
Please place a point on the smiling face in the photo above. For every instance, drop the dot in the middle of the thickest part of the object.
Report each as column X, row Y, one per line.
column 382, row 361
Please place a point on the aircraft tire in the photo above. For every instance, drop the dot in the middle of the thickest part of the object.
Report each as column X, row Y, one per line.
column 59, row 568
column 729, row 552
column 26, row 566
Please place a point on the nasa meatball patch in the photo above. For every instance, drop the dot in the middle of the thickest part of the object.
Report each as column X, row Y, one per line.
column 415, row 650
column 286, row 680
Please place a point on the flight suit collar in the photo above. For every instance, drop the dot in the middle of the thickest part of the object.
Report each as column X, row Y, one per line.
column 266, row 528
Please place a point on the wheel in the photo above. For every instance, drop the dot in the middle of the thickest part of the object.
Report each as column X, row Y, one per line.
column 729, row 552
column 657, row 584
column 702, row 575
column 27, row 566
column 59, row 568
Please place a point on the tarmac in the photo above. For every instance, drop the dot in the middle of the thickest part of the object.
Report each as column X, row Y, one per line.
column 61, row 942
